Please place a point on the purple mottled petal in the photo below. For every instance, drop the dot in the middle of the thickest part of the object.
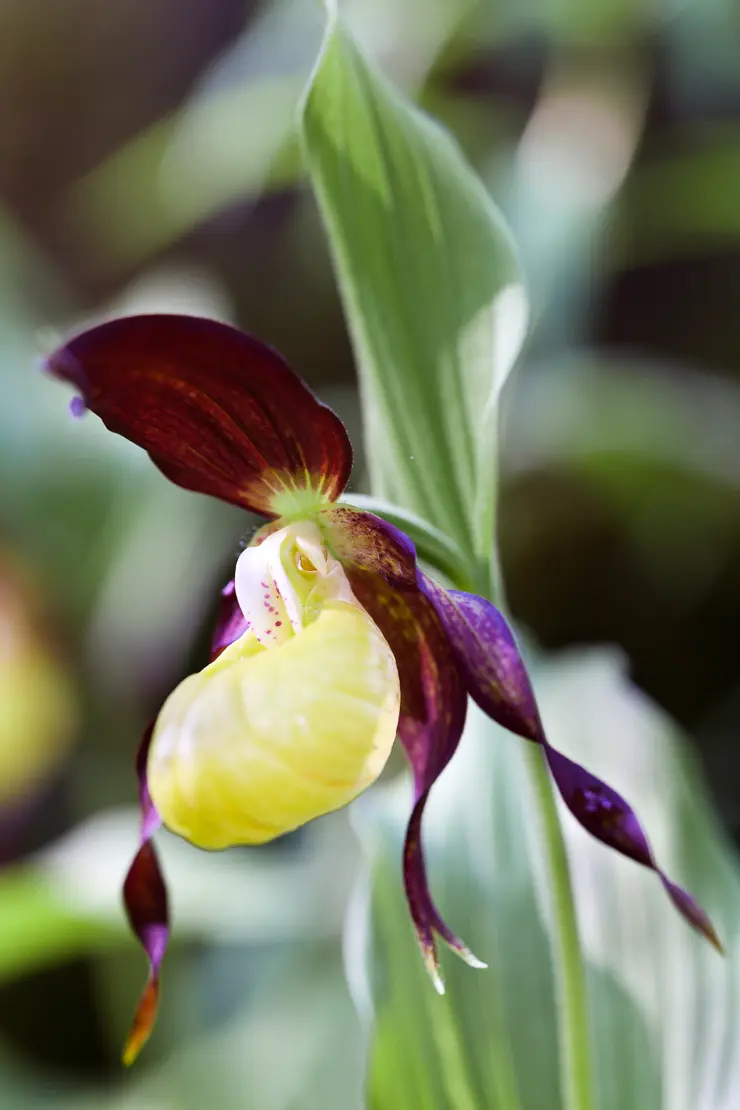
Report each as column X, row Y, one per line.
column 433, row 706
column 424, row 914
column 367, row 542
column 599, row 809
column 145, row 899
column 497, row 680
column 489, row 658
column 608, row 817
column 230, row 622
column 433, row 700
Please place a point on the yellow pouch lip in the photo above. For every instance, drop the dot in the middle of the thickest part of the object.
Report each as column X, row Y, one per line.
column 338, row 675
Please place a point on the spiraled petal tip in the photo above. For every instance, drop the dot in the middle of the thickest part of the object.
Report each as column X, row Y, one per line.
column 430, row 962
column 701, row 922
column 439, row 985
column 472, row 960
column 461, row 950
column 704, row 926
column 692, row 912
column 715, row 941
column 143, row 1023
column 131, row 1050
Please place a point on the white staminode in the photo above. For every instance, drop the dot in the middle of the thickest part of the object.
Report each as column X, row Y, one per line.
column 282, row 583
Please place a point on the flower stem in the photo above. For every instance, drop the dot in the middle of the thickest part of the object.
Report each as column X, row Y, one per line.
column 575, row 1068
column 570, row 978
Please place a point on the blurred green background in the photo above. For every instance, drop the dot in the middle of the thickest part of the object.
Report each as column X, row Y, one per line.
column 149, row 161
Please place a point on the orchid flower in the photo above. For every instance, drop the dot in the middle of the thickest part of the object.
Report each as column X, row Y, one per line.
column 331, row 640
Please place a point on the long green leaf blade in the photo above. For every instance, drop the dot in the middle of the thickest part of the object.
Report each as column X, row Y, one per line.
column 431, row 287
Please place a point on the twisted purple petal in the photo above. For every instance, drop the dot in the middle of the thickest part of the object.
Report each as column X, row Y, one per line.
column 497, row 679
column 145, row 899
column 433, row 706
column 607, row 816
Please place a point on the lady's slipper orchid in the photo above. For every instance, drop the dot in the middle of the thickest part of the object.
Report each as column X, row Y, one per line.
column 330, row 640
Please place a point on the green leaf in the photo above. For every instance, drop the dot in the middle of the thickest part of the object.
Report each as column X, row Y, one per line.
column 294, row 1044
column 662, row 1004
column 431, row 288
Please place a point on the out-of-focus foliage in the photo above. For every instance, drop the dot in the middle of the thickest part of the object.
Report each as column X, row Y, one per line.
column 37, row 702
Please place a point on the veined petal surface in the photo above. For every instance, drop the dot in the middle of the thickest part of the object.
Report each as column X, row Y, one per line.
column 218, row 411
column 365, row 541
column 497, row 679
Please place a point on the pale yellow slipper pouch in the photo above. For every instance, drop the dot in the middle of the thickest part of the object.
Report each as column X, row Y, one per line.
column 293, row 720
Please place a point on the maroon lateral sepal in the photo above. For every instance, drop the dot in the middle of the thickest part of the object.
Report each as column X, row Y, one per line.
column 145, row 900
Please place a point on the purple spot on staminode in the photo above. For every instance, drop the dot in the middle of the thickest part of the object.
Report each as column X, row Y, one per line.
column 77, row 408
